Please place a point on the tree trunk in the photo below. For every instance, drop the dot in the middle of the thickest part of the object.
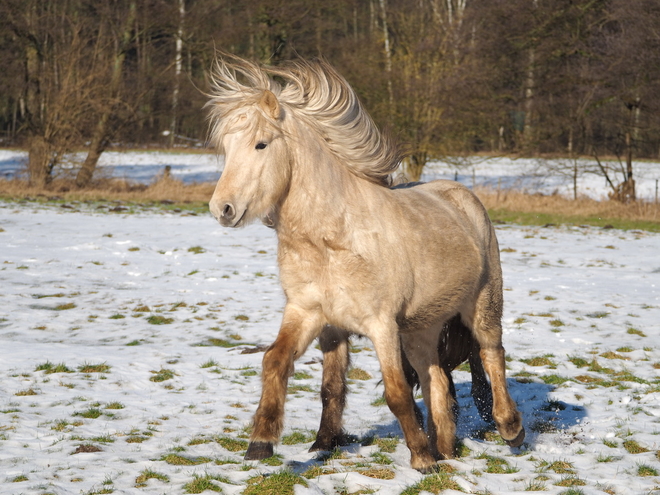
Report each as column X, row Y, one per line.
column 414, row 165
column 102, row 133
column 39, row 158
column 178, row 59
column 388, row 59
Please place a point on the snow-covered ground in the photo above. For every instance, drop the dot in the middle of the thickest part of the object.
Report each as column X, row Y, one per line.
column 130, row 350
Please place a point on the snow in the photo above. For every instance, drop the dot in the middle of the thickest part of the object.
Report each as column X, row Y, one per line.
column 570, row 294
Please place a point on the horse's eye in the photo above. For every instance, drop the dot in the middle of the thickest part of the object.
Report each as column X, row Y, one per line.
column 260, row 146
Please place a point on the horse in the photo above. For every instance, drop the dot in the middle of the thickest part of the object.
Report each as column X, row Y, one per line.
column 391, row 264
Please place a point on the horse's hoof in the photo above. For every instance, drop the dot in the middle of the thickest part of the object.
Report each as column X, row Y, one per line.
column 320, row 445
column 341, row 440
column 517, row 442
column 259, row 450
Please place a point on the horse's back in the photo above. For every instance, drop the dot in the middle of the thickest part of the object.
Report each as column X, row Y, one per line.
column 460, row 199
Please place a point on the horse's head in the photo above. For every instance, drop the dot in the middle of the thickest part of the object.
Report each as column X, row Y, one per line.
column 257, row 170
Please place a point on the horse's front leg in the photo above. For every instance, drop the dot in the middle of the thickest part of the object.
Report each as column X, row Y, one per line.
column 334, row 345
column 400, row 400
column 298, row 330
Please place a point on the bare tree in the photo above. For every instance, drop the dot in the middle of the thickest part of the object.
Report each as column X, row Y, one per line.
column 103, row 132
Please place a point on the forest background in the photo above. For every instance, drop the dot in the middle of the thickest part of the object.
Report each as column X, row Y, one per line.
column 448, row 78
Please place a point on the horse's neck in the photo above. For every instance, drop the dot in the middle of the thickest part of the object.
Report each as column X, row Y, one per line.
column 322, row 197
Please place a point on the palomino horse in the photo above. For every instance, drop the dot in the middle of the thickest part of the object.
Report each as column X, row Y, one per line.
column 393, row 265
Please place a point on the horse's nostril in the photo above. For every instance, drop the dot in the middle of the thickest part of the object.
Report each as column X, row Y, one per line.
column 228, row 211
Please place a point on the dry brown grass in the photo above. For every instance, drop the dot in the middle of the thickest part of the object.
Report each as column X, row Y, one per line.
column 165, row 189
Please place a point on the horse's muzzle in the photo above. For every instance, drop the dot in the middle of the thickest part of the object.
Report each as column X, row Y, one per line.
column 226, row 214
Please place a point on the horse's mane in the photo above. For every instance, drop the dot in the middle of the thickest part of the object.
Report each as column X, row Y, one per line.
column 313, row 91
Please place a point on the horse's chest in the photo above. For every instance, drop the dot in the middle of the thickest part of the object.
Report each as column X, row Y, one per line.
column 338, row 284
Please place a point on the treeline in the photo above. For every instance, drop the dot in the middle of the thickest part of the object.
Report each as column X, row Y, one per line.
column 448, row 77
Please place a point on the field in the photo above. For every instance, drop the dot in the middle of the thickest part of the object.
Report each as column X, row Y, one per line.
column 132, row 337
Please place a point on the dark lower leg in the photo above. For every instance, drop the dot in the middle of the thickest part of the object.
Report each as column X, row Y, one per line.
column 507, row 418
column 481, row 392
column 334, row 345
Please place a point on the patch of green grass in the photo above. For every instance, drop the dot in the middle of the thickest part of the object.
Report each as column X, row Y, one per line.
column 380, row 401
column 298, row 436
column 26, row 392
column 89, row 413
column 134, row 342
column 159, row 320
column 575, row 491
column 180, row 460
column 498, row 465
column 161, row 375
column 200, row 484
column 19, row 478
column 148, row 474
column 435, row 483
column 64, row 307
column 209, row 364
column 280, row 483
column 613, row 355
column 196, row 250
column 136, row 439
column 634, row 331
column 222, row 342
column 562, row 467
column 633, row 447
column 316, row 471
column 358, row 374
column 554, row 379
column 103, row 439
column 646, row 470
column 241, row 317
column 571, row 480
column 387, row 445
column 232, row 444
column 381, row 458
column 273, row 460
column 94, row 368
column 299, row 388
column 301, row 375
column 117, row 316
column 540, row 361
column 49, row 368
column 578, row 361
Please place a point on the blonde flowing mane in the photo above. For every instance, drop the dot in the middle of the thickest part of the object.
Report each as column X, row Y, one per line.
column 316, row 93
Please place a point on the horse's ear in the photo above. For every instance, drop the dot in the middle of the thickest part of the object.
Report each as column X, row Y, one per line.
column 270, row 104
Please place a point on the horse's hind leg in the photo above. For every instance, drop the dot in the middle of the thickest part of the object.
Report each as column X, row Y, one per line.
column 487, row 330
column 481, row 391
column 334, row 345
